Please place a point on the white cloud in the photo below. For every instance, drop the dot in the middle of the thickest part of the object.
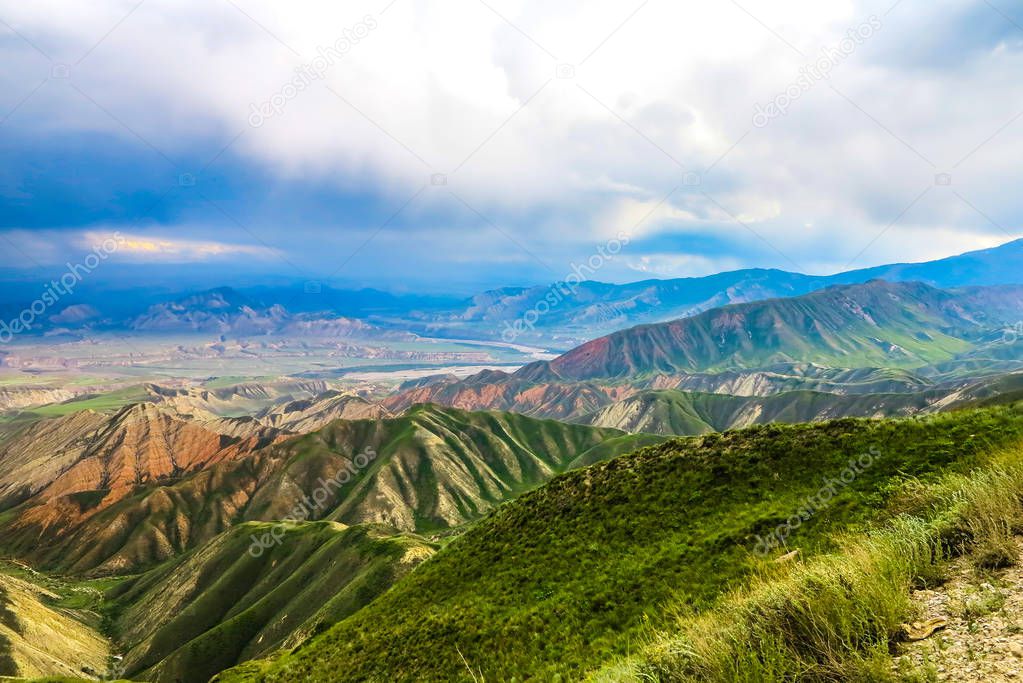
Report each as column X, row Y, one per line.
column 681, row 265
column 151, row 248
column 55, row 247
column 451, row 81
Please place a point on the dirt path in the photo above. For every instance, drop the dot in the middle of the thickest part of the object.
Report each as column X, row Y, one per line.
column 983, row 641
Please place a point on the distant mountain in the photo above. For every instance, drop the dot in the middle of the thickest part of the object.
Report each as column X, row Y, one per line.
column 232, row 400
column 999, row 265
column 310, row 297
column 25, row 396
column 226, row 311
column 590, row 307
column 559, row 315
column 216, row 310
column 308, row 415
column 874, row 338
column 878, row 324
column 593, row 308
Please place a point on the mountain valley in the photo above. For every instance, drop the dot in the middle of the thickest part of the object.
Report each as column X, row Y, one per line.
column 540, row 517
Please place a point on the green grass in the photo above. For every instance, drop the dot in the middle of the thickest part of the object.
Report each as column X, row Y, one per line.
column 835, row 617
column 109, row 401
column 577, row 573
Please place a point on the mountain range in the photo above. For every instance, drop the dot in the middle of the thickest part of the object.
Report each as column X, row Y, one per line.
column 570, row 313
column 874, row 338
column 593, row 306
column 540, row 523
column 114, row 493
column 572, row 575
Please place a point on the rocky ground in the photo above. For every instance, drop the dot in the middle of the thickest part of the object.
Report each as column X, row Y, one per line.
column 983, row 641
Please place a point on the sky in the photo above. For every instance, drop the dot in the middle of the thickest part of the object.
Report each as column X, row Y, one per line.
column 449, row 145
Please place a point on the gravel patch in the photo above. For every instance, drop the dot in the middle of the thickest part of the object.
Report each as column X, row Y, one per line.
column 983, row 641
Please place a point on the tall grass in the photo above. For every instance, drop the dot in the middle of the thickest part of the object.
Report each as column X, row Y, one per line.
column 834, row 617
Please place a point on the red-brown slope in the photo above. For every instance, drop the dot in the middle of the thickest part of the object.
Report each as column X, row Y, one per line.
column 515, row 393
column 65, row 470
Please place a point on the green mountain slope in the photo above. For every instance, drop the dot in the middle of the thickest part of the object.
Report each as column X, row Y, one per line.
column 683, row 413
column 432, row 468
column 230, row 601
column 572, row 574
column 878, row 324
column 877, row 338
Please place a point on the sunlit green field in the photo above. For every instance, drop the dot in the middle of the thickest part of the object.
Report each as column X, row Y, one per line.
column 100, row 403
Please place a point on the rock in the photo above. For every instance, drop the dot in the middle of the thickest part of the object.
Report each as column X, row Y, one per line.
column 920, row 630
column 788, row 557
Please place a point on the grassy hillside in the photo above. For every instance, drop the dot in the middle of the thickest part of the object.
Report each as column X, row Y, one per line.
column 434, row 467
column 689, row 413
column 222, row 604
column 683, row 413
column 878, row 324
column 575, row 573
column 841, row 616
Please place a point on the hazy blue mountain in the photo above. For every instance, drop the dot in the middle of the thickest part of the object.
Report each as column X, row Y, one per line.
column 559, row 315
column 997, row 266
column 594, row 308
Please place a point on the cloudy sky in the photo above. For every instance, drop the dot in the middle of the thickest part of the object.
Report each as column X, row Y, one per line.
column 452, row 144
